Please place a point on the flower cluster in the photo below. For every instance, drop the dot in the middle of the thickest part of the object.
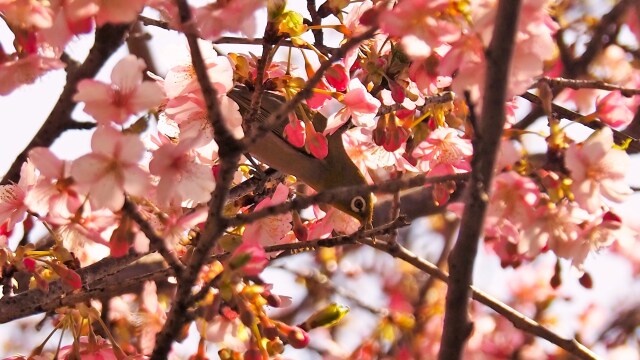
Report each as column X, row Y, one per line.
column 403, row 102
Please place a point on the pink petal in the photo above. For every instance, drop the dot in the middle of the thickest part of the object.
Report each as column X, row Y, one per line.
column 89, row 168
column 130, row 149
column 136, row 180
column 48, row 163
column 127, row 73
column 93, row 91
column 106, row 140
column 106, row 192
column 148, row 95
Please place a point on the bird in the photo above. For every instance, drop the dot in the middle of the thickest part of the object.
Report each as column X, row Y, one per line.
column 334, row 171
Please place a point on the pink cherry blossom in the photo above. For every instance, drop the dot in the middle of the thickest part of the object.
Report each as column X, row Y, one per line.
column 427, row 80
column 154, row 317
column 272, row 229
column 514, row 197
column 613, row 111
column 237, row 16
column 125, row 96
column 333, row 220
column 182, row 79
column 112, row 169
column 71, row 18
column 181, row 177
column 597, row 170
column 53, row 194
column 534, row 44
column 27, row 14
column 12, row 206
column 419, row 27
column 23, row 71
column 338, row 77
column 360, row 106
column 111, row 11
column 598, row 233
column 362, row 150
column 444, row 152
column 191, row 107
column 98, row 350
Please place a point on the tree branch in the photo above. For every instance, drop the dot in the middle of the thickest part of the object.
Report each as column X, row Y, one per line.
column 556, row 83
column 518, row 320
column 107, row 277
column 564, row 113
column 229, row 151
column 331, row 195
column 457, row 325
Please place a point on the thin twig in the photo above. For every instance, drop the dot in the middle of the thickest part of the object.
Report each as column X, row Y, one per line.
column 564, row 113
column 588, row 84
column 519, row 320
column 147, row 21
column 157, row 242
column 304, row 93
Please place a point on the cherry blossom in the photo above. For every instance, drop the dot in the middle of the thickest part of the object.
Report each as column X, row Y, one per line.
column 272, row 229
column 613, row 111
column 115, row 12
column 597, row 170
column 419, row 28
column 53, row 194
column 125, row 96
column 99, row 349
column 112, row 169
column 360, row 106
column 23, row 71
column 236, row 16
column 181, row 178
column 181, row 79
column 444, row 152
column 12, row 206
column 27, row 14
column 256, row 258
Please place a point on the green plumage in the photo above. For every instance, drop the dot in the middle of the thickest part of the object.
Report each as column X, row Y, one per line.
column 336, row 170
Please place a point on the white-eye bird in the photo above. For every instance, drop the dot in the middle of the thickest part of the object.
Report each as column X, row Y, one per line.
column 334, row 171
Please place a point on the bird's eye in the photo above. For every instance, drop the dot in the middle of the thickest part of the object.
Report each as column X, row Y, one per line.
column 358, row 204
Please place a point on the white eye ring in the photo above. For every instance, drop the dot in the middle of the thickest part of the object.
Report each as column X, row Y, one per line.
column 358, row 204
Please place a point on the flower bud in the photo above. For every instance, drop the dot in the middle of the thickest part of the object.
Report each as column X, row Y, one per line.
column 275, row 347
column 252, row 354
column 298, row 338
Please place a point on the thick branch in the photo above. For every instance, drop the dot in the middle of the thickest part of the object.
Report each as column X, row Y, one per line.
column 114, row 276
column 332, row 195
column 36, row 301
column 229, row 152
column 457, row 326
